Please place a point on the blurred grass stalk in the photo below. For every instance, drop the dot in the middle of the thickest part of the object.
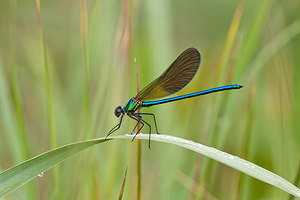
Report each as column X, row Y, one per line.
column 51, row 121
column 123, row 185
column 91, row 179
column 14, row 112
column 208, row 169
column 18, row 145
column 84, row 34
column 138, row 152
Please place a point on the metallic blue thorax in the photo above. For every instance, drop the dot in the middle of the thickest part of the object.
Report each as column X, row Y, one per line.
column 132, row 105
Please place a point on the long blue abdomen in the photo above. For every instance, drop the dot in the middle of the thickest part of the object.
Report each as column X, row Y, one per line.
column 217, row 89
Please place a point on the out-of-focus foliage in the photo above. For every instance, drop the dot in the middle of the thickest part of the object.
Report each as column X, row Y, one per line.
column 91, row 70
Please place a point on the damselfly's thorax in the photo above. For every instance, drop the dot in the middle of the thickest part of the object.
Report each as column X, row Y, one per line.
column 132, row 105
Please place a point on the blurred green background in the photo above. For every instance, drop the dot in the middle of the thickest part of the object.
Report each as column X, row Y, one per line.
column 90, row 48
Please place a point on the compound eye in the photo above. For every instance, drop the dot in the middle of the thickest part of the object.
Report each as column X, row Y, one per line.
column 118, row 111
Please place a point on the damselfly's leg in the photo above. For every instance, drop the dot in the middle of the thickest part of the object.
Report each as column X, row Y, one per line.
column 135, row 125
column 141, row 120
column 137, row 114
column 116, row 127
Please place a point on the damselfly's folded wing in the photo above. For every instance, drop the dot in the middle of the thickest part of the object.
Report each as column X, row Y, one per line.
column 178, row 75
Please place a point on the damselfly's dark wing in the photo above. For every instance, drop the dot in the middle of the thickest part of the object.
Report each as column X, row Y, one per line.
column 178, row 75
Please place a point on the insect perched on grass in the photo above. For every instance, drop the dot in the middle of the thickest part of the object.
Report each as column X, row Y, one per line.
column 178, row 75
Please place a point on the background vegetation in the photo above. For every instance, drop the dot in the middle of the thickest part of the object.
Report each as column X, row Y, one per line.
column 60, row 84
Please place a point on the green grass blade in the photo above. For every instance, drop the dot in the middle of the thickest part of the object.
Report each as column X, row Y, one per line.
column 15, row 177
column 232, row 161
column 18, row 175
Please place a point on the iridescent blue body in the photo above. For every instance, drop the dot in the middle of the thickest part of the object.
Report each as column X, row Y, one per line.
column 132, row 106
column 176, row 77
column 167, row 100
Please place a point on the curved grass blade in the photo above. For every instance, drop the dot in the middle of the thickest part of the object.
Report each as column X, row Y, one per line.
column 178, row 75
column 232, row 161
column 15, row 177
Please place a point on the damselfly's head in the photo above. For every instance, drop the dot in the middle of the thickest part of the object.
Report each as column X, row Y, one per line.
column 118, row 111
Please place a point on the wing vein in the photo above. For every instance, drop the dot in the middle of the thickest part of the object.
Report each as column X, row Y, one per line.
column 176, row 77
